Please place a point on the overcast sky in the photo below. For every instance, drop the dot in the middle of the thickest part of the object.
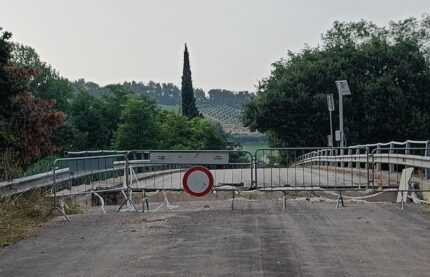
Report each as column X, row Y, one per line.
column 232, row 43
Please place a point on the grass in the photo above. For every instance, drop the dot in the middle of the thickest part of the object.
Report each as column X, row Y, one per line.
column 22, row 215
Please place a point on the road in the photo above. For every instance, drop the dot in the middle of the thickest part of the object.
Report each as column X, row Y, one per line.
column 206, row 238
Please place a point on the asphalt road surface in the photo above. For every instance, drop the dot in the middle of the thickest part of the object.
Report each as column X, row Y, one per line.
column 206, row 238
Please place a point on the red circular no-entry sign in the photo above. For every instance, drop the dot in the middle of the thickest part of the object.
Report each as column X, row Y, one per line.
column 198, row 181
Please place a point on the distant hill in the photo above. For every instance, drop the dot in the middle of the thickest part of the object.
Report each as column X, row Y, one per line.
column 219, row 105
column 170, row 95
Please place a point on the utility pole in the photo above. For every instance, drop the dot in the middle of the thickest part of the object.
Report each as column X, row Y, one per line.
column 330, row 104
column 343, row 90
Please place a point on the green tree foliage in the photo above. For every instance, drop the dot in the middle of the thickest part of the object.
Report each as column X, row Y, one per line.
column 27, row 121
column 139, row 125
column 86, row 117
column 144, row 126
column 388, row 72
column 47, row 84
column 189, row 108
column 178, row 132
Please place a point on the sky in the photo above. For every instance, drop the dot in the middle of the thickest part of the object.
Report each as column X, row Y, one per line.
column 232, row 43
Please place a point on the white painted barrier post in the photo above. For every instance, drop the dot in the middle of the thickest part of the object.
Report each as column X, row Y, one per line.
column 391, row 166
column 378, row 151
column 357, row 164
column 350, row 155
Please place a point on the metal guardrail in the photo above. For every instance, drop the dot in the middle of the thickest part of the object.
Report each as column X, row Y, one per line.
column 393, row 154
column 24, row 184
column 307, row 169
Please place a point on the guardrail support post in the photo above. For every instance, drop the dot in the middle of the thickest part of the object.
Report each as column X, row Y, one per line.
column 391, row 166
column 350, row 154
column 366, row 165
column 378, row 151
column 357, row 164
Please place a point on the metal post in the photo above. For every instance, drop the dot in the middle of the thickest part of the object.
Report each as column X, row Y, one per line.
column 339, row 200
column 284, row 201
column 331, row 130
column 427, row 153
column 378, row 151
column 408, row 146
column 55, row 186
column 330, row 105
column 357, row 165
column 341, row 120
column 350, row 156
column 391, row 166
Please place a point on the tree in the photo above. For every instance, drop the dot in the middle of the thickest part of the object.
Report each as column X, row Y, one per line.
column 47, row 82
column 189, row 108
column 87, row 117
column 33, row 123
column 26, row 121
column 387, row 69
column 178, row 132
column 139, row 125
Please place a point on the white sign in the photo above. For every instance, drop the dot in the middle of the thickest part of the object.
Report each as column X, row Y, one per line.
column 184, row 157
column 337, row 135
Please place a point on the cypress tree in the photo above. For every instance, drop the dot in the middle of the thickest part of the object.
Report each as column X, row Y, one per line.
column 189, row 108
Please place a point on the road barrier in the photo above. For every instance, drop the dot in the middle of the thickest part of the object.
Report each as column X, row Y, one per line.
column 361, row 167
column 163, row 169
column 312, row 168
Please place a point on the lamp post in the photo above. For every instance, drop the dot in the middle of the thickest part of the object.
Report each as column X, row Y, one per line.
column 330, row 104
column 343, row 90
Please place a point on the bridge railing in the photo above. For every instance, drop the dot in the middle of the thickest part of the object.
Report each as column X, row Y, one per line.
column 387, row 159
column 389, row 163
column 310, row 168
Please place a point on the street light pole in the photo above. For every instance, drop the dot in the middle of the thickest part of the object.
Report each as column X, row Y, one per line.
column 341, row 119
column 331, row 130
column 330, row 104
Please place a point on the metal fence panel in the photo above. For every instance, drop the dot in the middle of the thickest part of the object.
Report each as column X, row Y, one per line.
column 81, row 175
column 312, row 168
column 163, row 170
